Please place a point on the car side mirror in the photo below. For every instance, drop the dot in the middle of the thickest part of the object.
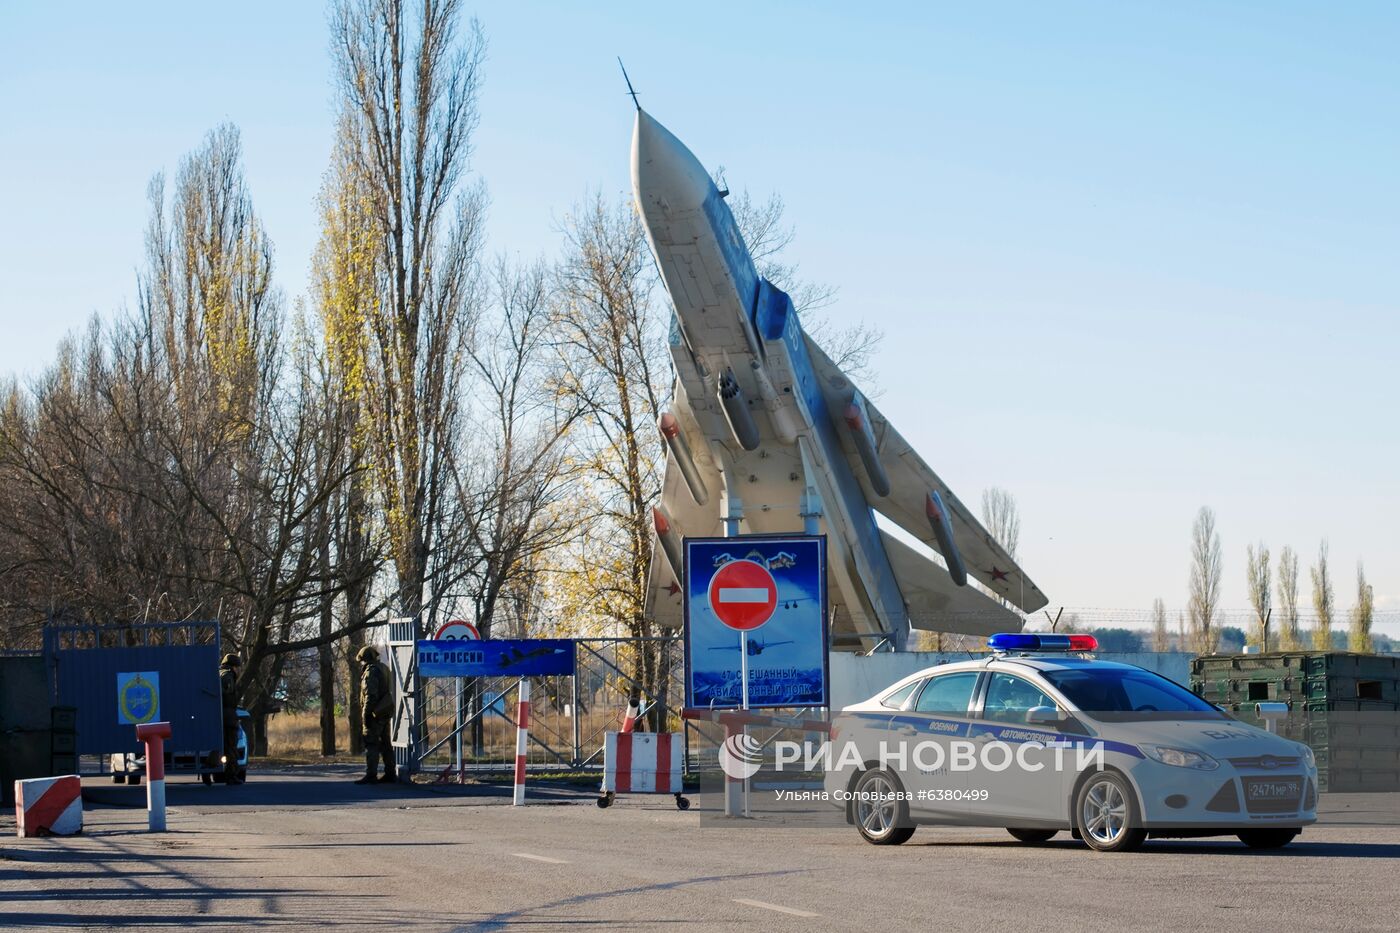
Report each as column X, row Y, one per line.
column 1044, row 716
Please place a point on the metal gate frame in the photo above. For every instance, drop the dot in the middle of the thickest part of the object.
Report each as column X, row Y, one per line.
column 414, row 744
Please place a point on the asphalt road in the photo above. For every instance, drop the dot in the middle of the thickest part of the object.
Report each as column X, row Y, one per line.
column 308, row 849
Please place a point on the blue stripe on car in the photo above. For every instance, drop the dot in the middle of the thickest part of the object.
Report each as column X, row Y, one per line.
column 1011, row 734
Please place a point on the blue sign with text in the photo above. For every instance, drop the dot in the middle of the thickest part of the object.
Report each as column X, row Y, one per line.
column 520, row 657
column 786, row 651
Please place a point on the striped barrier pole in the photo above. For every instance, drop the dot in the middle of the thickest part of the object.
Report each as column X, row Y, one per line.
column 629, row 721
column 154, row 735
column 522, row 737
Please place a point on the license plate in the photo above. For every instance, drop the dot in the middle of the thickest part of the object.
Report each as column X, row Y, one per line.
column 1263, row 795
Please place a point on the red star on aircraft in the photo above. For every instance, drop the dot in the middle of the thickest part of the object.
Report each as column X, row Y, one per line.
column 997, row 574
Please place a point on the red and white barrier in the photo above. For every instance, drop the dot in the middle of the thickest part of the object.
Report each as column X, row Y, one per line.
column 522, row 739
column 154, row 735
column 642, row 762
column 51, row 806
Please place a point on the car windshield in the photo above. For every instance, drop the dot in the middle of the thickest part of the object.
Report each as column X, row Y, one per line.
column 1129, row 695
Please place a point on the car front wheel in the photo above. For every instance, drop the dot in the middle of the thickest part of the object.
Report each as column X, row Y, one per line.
column 1267, row 838
column 1106, row 814
column 882, row 816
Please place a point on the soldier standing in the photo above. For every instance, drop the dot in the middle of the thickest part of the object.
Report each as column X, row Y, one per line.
column 376, row 709
column 228, row 692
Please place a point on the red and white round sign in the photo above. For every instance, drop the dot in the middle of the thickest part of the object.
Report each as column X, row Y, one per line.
column 457, row 630
column 743, row 594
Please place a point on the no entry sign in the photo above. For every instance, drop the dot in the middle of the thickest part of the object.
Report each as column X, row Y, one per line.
column 755, row 616
column 743, row 595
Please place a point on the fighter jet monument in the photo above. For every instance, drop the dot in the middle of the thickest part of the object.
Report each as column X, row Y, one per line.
column 766, row 435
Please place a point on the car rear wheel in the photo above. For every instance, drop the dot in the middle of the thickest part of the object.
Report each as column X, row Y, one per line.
column 1033, row 835
column 1268, row 838
column 1106, row 814
column 882, row 816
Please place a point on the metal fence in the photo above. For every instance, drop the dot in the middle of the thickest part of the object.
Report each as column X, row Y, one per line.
column 460, row 726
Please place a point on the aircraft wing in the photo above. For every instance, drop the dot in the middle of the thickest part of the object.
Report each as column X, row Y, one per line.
column 936, row 603
column 911, row 480
column 664, row 603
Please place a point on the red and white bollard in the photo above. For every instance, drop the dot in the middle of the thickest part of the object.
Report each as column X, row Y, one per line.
column 522, row 738
column 154, row 735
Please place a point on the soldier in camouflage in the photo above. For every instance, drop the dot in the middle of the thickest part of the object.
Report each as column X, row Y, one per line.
column 376, row 710
column 228, row 690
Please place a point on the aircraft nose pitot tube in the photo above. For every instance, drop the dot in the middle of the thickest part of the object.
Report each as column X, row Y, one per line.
column 859, row 423
column 943, row 533
column 736, row 410
column 680, row 450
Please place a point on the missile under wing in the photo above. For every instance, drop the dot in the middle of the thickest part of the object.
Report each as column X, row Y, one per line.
column 765, row 430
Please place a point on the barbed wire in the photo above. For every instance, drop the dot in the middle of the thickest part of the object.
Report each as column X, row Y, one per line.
column 1240, row 618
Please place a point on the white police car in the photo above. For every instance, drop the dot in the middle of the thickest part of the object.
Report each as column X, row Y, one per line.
column 1038, row 738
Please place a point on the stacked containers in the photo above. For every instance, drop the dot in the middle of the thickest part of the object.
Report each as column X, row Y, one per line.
column 1345, row 706
column 63, row 722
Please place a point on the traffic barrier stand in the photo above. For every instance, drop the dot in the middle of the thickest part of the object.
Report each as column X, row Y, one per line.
column 51, row 806
column 735, row 721
column 642, row 763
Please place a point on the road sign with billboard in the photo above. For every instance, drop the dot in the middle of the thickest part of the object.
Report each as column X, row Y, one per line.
column 518, row 657
column 772, row 589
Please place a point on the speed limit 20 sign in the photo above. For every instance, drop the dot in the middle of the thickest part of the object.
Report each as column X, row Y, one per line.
column 457, row 630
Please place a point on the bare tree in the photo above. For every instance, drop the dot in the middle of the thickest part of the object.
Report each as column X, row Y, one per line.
column 178, row 462
column 1205, row 580
column 611, row 346
column 1002, row 518
column 1288, row 637
column 1359, row 638
column 1160, row 640
column 408, row 79
column 1322, row 601
column 514, row 499
column 346, row 271
column 1257, row 578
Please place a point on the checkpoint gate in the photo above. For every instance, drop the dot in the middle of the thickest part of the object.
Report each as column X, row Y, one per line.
column 120, row 676
column 569, row 713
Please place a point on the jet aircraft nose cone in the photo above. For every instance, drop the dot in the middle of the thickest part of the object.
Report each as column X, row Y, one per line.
column 665, row 174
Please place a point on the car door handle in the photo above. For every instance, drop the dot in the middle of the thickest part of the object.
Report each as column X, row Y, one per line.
column 907, row 730
column 984, row 737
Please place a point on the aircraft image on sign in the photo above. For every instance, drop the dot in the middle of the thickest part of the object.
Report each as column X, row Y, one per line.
column 764, row 427
column 753, row 647
column 514, row 657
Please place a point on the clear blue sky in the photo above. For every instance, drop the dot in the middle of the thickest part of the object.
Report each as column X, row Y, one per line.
column 1130, row 258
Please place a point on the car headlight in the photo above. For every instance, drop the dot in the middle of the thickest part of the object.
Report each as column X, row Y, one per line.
column 1180, row 757
column 1306, row 753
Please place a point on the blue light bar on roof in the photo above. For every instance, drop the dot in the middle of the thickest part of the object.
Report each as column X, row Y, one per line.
column 1024, row 641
